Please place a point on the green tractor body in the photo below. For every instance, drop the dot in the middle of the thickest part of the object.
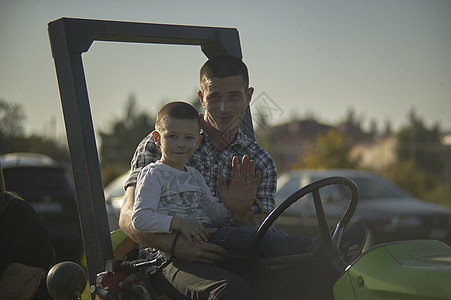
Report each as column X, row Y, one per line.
column 402, row 270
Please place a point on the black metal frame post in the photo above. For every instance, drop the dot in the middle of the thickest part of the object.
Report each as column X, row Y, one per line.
column 69, row 38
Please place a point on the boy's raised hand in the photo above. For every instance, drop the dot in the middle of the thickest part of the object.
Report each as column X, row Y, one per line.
column 240, row 195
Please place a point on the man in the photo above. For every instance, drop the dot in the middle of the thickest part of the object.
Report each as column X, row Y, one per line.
column 225, row 94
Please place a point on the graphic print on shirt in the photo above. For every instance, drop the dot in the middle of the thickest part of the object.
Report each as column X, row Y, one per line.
column 182, row 195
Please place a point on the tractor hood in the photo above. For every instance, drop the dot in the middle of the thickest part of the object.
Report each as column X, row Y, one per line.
column 401, row 270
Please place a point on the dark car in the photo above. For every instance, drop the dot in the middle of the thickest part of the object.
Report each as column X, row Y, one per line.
column 389, row 213
column 48, row 187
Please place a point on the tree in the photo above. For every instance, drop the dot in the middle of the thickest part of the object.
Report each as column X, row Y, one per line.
column 330, row 151
column 421, row 145
column 13, row 139
column 423, row 162
column 388, row 130
column 38, row 144
column 12, row 117
column 411, row 178
column 352, row 120
column 120, row 141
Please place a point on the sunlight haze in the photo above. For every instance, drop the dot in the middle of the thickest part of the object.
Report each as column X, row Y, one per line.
column 380, row 58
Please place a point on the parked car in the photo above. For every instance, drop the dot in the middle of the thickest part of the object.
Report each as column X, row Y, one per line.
column 389, row 213
column 114, row 193
column 48, row 187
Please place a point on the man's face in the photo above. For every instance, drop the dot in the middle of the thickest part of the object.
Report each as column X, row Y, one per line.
column 225, row 101
column 178, row 140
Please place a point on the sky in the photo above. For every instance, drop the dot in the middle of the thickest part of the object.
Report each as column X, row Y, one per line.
column 319, row 57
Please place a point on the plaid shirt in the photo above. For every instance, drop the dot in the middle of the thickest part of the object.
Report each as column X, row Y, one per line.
column 210, row 163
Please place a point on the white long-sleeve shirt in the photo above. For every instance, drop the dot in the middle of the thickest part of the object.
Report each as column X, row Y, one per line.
column 163, row 192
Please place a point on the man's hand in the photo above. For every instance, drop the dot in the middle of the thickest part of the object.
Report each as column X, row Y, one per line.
column 240, row 195
column 199, row 251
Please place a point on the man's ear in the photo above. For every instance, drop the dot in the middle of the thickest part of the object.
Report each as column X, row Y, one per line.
column 200, row 95
column 250, row 92
column 198, row 141
column 156, row 138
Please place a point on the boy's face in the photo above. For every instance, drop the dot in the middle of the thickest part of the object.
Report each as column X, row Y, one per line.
column 178, row 139
column 225, row 101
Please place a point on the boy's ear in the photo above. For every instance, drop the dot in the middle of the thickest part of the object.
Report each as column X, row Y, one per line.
column 156, row 138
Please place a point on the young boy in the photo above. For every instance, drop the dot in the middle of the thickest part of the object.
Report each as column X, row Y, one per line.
column 171, row 196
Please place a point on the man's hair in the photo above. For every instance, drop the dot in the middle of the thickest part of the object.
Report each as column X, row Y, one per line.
column 177, row 110
column 224, row 66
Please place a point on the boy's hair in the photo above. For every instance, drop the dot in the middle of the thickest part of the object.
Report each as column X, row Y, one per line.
column 223, row 66
column 177, row 110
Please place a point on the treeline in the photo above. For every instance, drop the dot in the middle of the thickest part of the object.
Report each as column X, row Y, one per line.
column 422, row 166
column 13, row 138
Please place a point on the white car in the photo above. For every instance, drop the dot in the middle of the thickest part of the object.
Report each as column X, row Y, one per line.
column 114, row 193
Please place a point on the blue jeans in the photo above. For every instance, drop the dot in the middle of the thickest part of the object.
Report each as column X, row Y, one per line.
column 238, row 242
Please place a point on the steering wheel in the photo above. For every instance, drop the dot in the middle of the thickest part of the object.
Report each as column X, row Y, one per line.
column 330, row 244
